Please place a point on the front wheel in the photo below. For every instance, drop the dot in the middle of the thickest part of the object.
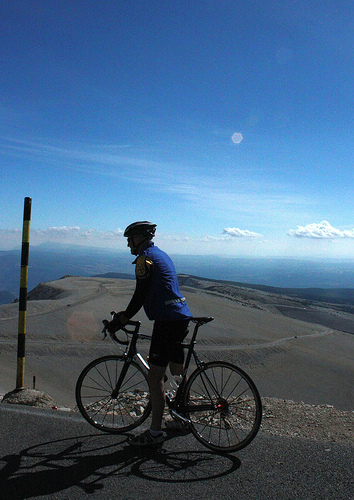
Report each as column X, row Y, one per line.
column 223, row 405
column 106, row 406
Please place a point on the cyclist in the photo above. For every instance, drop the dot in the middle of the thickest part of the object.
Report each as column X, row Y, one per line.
column 156, row 290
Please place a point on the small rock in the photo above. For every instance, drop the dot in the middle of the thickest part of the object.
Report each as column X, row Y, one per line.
column 29, row 397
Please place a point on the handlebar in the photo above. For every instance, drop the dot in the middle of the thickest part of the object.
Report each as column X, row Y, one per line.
column 135, row 324
column 136, row 327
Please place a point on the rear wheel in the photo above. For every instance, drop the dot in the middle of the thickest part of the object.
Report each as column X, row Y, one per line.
column 127, row 409
column 224, row 406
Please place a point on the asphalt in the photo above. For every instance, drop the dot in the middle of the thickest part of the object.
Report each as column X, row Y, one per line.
column 55, row 454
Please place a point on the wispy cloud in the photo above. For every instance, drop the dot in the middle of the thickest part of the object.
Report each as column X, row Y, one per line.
column 323, row 230
column 235, row 232
column 75, row 232
column 63, row 235
column 221, row 190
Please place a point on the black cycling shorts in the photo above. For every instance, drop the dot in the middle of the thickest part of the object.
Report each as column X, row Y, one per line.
column 166, row 340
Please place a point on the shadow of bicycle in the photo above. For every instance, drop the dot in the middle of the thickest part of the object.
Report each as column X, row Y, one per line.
column 87, row 461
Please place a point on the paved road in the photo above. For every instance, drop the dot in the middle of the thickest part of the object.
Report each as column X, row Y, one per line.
column 47, row 454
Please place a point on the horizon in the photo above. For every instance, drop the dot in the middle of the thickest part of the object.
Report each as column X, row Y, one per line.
column 227, row 125
column 62, row 246
column 48, row 262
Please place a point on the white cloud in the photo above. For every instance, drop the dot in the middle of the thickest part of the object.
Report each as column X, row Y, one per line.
column 235, row 232
column 74, row 233
column 11, row 238
column 323, row 230
column 230, row 233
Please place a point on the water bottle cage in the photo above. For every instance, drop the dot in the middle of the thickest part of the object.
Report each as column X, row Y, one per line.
column 174, row 382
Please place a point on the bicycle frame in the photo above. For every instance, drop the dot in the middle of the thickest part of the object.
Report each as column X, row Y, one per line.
column 175, row 403
column 129, row 355
column 219, row 401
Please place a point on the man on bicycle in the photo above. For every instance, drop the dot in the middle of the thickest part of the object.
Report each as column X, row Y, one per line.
column 156, row 290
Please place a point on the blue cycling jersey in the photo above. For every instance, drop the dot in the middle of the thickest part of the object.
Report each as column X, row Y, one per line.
column 164, row 300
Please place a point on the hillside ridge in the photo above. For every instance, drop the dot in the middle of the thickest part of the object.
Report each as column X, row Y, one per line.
column 337, row 316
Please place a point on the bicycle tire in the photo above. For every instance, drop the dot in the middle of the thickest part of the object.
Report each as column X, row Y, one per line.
column 223, row 405
column 94, row 395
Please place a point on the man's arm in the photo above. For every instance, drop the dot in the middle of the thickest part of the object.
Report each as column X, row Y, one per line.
column 137, row 301
column 143, row 272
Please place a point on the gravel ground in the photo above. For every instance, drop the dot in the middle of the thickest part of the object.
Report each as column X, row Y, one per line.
column 318, row 423
column 280, row 418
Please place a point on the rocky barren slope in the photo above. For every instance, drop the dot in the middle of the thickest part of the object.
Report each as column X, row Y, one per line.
column 299, row 352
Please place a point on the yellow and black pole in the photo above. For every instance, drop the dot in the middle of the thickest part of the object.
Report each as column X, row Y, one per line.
column 20, row 380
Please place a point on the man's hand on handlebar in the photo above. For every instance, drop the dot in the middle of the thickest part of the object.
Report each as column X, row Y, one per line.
column 118, row 322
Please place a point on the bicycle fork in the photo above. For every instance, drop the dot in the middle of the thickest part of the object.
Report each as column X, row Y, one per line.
column 124, row 370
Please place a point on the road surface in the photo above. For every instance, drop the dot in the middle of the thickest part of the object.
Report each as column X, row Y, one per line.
column 49, row 454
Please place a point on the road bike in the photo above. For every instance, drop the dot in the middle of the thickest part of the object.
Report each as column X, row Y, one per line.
column 218, row 401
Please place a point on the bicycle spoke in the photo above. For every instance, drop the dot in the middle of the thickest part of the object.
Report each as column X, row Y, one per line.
column 223, row 406
column 94, row 391
column 219, row 400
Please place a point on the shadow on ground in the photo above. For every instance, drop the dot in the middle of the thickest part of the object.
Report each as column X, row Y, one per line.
column 88, row 461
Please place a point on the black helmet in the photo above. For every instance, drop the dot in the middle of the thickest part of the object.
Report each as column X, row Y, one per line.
column 144, row 227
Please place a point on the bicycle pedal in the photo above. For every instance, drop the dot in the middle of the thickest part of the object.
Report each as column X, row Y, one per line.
column 177, row 417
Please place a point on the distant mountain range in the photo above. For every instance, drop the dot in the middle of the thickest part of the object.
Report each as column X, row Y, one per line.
column 48, row 263
column 329, row 295
column 6, row 297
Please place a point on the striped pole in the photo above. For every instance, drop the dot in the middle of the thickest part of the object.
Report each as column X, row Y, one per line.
column 20, row 380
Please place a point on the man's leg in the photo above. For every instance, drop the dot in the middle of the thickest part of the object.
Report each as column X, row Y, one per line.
column 176, row 351
column 157, row 395
column 176, row 368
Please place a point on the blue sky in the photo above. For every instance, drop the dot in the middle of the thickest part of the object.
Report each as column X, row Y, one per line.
column 229, row 124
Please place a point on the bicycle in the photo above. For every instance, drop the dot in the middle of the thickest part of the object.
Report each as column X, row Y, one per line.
column 218, row 401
